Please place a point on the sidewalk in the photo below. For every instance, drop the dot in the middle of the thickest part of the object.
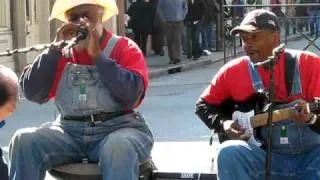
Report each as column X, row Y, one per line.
column 159, row 65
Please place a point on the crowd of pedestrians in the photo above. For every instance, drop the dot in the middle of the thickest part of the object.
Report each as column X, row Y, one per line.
column 188, row 27
column 174, row 22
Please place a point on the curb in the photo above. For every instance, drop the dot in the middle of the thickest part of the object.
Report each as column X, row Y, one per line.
column 183, row 67
column 190, row 64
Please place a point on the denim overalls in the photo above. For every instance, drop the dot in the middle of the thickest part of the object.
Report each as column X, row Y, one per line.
column 81, row 91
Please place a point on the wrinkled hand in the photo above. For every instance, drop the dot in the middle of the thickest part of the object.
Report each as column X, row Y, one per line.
column 66, row 32
column 235, row 131
column 93, row 46
column 301, row 113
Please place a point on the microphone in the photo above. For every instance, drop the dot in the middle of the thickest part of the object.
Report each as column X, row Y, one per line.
column 81, row 35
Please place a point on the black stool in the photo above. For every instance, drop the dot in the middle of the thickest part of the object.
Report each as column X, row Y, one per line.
column 82, row 171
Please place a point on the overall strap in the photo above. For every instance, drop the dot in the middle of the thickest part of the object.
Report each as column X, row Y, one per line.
column 292, row 73
column 111, row 44
column 255, row 77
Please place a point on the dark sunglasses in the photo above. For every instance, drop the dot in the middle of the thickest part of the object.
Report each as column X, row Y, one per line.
column 73, row 17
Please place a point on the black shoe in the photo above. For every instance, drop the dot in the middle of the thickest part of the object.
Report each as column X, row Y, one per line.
column 175, row 61
column 196, row 58
column 161, row 53
column 212, row 50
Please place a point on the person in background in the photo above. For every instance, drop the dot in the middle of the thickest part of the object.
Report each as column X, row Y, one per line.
column 157, row 35
column 193, row 21
column 208, row 20
column 301, row 15
column 314, row 18
column 141, row 15
column 295, row 139
column 8, row 100
column 172, row 13
column 97, row 84
column 277, row 10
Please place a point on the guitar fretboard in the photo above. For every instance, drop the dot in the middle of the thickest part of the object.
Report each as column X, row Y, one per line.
column 277, row 115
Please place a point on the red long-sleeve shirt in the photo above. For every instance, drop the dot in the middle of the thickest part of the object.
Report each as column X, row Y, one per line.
column 234, row 80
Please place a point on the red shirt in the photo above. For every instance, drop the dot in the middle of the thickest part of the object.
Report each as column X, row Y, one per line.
column 234, row 81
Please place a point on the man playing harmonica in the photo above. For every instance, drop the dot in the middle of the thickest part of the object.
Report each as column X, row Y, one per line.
column 96, row 85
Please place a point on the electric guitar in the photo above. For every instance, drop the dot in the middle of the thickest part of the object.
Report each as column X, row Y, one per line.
column 252, row 114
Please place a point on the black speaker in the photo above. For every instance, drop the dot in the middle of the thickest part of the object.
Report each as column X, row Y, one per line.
column 179, row 175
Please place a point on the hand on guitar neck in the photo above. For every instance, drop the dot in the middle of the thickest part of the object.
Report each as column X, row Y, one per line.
column 302, row 113
column 243, row 123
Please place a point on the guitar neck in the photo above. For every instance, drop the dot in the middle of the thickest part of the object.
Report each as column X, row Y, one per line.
column 277, row 115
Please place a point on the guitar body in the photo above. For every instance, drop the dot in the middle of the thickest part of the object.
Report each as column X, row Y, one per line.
column 243, row 119
column 243, row 111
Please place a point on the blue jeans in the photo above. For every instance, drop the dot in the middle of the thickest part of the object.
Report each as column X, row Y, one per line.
column 239, row 160
column 207, row 42
column 118, row 146
column 314, row 21
column 184, row 41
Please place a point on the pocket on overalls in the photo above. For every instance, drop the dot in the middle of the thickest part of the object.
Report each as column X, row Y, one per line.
column 82, row 84
column 285, row 136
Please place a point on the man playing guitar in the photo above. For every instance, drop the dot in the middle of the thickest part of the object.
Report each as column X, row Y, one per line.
column 296, row 138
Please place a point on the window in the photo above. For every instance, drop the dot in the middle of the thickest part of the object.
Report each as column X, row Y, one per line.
column 3, row 14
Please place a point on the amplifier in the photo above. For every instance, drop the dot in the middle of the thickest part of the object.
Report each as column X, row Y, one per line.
column 156, row 175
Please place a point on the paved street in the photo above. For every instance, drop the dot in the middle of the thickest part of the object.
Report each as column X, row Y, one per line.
column 169, row 109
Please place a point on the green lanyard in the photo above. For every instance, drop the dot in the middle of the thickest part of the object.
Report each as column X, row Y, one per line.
column 284, row 135
column 82, row 92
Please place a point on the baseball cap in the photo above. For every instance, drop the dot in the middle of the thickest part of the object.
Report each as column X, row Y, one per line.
column 257, row 20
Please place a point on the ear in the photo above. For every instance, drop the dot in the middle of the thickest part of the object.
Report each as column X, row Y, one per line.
column 100, row 13
column 276, row 37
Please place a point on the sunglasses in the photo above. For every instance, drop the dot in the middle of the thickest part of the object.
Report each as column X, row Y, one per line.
column 74, row 16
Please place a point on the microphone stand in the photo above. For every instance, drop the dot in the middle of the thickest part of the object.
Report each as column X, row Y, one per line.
column 269, row 64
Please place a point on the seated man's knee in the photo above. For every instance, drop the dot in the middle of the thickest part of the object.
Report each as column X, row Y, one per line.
column 23, row 137
column 117, row 144
column 229, row 151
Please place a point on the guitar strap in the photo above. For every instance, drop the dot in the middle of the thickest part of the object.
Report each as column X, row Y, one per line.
column 290, row 68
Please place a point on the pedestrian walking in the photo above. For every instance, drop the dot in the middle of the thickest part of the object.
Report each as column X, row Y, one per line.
column 193, row 21
column 157, row 35
column 211, row 10
column 172, row 13
column 142, row 16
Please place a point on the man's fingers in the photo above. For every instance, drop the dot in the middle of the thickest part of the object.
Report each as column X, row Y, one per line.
column 245, row 136
column 235, row 125
column 234, row 133
column 67, row 31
